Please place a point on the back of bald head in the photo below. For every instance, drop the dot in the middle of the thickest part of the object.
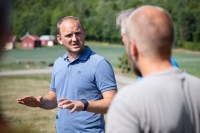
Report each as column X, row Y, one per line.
column 152, row 29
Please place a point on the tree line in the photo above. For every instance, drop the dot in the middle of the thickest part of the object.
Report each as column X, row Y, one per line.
column 98, row 18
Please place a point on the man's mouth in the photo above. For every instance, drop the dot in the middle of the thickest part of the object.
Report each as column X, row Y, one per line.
column 75, row 45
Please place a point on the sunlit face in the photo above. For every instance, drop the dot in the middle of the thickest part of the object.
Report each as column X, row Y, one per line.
column 72, row 36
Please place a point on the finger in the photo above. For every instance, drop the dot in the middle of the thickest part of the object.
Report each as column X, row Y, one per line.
column 69, row 106
column 26, row 98
column 23, row 100
column 39, row 98
column 72, row 110
column 20, row 102
column 61, row 99
column 65, row 102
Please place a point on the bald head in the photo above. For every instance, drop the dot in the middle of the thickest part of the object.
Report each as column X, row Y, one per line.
column 152, row 29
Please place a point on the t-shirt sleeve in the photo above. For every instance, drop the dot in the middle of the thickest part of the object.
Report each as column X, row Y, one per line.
column 104, row 76
column 122, row 116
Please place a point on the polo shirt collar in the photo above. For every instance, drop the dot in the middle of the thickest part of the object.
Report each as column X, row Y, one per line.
column 84, row 55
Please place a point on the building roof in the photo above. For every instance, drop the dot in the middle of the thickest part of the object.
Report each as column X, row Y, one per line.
column 47, row 37
column 11, row 39
column 33, row 37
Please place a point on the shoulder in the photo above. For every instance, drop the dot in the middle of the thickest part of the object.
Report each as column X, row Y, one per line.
column 97, row 57
column 60, row 59
column 192, row 79
column 59, row 63
column 129, row 91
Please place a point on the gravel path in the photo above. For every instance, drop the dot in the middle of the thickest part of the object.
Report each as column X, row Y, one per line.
column 121, row 80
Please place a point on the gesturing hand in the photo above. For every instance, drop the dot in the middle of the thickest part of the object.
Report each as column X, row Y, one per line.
column 70, row 104
column 30, row 101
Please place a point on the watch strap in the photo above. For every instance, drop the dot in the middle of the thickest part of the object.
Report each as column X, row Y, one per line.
column 85, row 103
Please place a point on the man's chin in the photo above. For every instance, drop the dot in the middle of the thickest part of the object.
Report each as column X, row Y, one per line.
column 77, row 50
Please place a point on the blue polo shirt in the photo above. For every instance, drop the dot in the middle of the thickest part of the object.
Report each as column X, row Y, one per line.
column 87, row 77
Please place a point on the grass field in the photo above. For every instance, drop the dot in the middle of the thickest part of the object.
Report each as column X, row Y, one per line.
column 38, row 120
column 50, row 54
column 17, row 59
column 35, row 119
column 188, row 61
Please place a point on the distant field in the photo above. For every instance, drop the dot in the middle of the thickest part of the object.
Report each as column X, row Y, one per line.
column 50, row 54
column 188, row 61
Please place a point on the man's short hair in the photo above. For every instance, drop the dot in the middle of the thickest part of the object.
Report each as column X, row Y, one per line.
column 121, row 18
column 65, row 18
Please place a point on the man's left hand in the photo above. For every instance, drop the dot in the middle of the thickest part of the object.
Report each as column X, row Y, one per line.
column 70, row 104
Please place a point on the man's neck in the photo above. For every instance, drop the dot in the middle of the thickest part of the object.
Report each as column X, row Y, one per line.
column 149, row 66
column 72, row 56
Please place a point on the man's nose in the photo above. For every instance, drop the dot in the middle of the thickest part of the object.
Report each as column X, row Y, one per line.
column 74, row 37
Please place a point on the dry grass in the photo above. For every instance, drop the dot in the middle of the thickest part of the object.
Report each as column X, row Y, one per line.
column 35, row 119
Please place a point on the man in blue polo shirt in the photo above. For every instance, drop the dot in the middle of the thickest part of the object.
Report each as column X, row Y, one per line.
column 82, row 86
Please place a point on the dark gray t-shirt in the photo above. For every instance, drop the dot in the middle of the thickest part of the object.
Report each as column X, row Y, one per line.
column 164, row 102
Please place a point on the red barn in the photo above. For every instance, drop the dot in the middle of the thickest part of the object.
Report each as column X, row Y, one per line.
column 30, row 41
column 47, row 40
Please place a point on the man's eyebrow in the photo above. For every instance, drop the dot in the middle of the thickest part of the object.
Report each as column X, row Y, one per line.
column 67, row 34
column 78, row 30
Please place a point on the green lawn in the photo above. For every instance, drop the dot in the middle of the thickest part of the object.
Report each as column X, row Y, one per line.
column 50, row 54
column 188, row 61
column 34, row 119
column 38, row 120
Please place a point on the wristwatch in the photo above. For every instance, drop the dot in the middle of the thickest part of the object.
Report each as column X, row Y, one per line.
column 85, row 103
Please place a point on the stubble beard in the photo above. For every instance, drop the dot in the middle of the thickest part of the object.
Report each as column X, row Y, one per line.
column 77, row 51
column 134, row 66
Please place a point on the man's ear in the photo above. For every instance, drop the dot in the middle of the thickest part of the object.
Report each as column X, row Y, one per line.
column 59, row 39
column 133, row 48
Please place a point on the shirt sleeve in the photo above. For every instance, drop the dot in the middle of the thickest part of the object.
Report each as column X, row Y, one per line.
column 104, row 76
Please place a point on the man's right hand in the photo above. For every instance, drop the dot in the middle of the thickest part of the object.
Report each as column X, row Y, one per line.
column 31, row 101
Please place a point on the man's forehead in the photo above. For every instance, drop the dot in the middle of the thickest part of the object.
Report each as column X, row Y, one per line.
column 70, row 25
column 70, row 22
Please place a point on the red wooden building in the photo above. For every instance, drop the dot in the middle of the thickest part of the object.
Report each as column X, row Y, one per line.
column 30, row 41
column 47, row 40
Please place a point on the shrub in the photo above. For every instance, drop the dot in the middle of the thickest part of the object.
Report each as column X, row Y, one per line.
column 124, row 65
column 191, row 46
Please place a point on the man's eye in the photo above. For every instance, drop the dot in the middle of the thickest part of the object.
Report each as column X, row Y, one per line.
column 78, row 33
column 68, row 35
